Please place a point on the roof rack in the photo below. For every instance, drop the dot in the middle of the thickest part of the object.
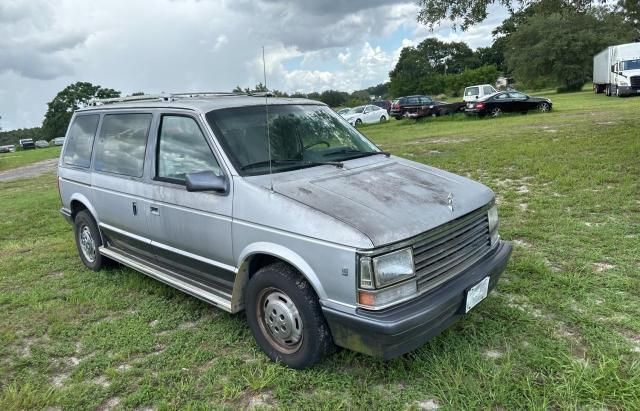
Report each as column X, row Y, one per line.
column 175, row 96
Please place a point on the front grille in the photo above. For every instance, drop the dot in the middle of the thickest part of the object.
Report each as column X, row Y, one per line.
column 635, row 82
column 448, row 250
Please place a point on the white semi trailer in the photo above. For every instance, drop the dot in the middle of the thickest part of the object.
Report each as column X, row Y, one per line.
column 616, row 70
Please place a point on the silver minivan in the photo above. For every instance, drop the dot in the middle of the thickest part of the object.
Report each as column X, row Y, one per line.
column 279, row 208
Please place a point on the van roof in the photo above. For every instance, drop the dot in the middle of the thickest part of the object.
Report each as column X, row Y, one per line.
column 203, row 103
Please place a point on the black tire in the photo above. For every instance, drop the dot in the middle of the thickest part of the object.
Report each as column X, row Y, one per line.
column 398, row 117
column 495, row 112
column 358, row 122
column 280, row 290
column 544, row 107
column 383, row 119
column 607, row 90
column 86, row 230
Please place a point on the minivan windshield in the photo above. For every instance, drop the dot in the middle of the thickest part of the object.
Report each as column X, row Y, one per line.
column 301, row 136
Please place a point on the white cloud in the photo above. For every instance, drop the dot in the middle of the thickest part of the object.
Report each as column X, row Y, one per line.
column 178, row 45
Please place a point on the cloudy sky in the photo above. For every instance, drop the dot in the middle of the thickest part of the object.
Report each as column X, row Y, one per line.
column 202, row 45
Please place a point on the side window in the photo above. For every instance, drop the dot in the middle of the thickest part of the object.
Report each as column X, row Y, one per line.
column 121, row 146
column 488, row 90
column 80, row 141
column 182, row 149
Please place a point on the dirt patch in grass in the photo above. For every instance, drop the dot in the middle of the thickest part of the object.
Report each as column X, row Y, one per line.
column 602, row 267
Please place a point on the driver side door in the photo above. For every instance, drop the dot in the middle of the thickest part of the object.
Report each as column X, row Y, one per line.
column 190, row 231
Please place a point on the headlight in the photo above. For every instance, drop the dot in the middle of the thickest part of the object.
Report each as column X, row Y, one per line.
column 623, row 83
column 492, row 214
column 389, row 273
column 393, row 267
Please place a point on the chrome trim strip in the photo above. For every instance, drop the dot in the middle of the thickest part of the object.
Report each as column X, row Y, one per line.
column 171, row 281
column 125, row 233
column 195, row 257
column 171, row 249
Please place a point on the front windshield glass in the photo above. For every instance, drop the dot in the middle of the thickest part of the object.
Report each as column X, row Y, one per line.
column 301, row 136
column 631, row 65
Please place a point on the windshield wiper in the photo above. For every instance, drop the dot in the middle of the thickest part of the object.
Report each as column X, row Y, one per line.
column 301, row 162
column 359, row 154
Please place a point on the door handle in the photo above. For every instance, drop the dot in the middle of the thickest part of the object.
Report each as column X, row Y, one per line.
column 155, row 210
column 134, row 206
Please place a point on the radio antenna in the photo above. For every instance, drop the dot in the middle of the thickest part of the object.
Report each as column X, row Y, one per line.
column 266, row 109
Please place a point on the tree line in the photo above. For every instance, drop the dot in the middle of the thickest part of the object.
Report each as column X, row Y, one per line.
column 543, row 43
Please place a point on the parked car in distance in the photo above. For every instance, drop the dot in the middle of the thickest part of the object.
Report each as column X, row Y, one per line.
column 7, row 148
column 42, row 144
column 26, row 143
column 367, row 114
column 385, row 104
column 409, row 105
column 473, row 93
column 507, row 102
column 286, row 212
column 58, row 141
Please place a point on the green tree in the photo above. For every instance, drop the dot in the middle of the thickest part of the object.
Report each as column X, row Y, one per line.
column 73, row 97
column 418, row 65
column 470, row 12
column 558, row 49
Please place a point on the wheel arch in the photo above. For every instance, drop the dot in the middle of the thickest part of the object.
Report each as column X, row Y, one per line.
column 78, row 203
column 258, row 255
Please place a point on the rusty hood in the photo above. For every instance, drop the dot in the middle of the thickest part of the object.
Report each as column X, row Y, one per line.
column 391, row 200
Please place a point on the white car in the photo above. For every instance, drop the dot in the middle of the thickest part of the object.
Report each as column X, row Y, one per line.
column 58, row 141
column 473, row 93
column 366, row 115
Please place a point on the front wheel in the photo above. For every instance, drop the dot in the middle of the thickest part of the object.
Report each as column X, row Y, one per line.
column 544, row 107
column 285, row 317
column 383, row 119
column 358, row 122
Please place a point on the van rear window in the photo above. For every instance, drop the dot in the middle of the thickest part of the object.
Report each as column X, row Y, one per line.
column 472, row 91
column 122, row 144
column 80, row 142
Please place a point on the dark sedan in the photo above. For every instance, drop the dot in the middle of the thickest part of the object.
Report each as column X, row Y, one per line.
column 507, row 102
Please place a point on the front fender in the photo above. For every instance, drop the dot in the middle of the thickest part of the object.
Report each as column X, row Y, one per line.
column 277, row 251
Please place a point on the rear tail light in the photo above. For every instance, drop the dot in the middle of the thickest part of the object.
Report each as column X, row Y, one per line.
column 479, row 105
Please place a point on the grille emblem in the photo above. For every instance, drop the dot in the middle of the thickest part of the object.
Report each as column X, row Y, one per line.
column 450, row 202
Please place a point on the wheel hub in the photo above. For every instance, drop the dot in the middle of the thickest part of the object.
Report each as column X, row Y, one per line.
column 281, row 319
column 87, row 244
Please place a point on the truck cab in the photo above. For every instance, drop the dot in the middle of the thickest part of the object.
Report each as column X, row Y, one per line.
column 616, row 70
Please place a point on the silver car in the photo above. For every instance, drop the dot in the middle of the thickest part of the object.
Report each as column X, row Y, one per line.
column 280, row 208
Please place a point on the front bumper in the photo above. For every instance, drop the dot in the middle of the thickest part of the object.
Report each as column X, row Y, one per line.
column 398, row 330
column 628, row 91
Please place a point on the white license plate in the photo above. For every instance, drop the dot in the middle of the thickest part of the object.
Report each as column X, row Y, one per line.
column 477, row 293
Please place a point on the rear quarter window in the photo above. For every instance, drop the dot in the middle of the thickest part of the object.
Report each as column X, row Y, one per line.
column 80, row 141
column 122, row 143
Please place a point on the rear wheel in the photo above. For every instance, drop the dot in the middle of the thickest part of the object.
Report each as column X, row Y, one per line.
column 496, row 112
column 285, row 317
column 358, row 122
column 383, row 119
column 88, row 241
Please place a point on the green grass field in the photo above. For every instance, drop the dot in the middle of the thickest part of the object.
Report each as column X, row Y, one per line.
column 562, row 330
column 21, row 158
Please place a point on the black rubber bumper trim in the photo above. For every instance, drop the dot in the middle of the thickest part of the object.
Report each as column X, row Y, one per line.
column 398, row 330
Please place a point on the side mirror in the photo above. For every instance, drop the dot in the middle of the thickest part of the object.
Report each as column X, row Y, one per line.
column 620, row 72
column 207, row 181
